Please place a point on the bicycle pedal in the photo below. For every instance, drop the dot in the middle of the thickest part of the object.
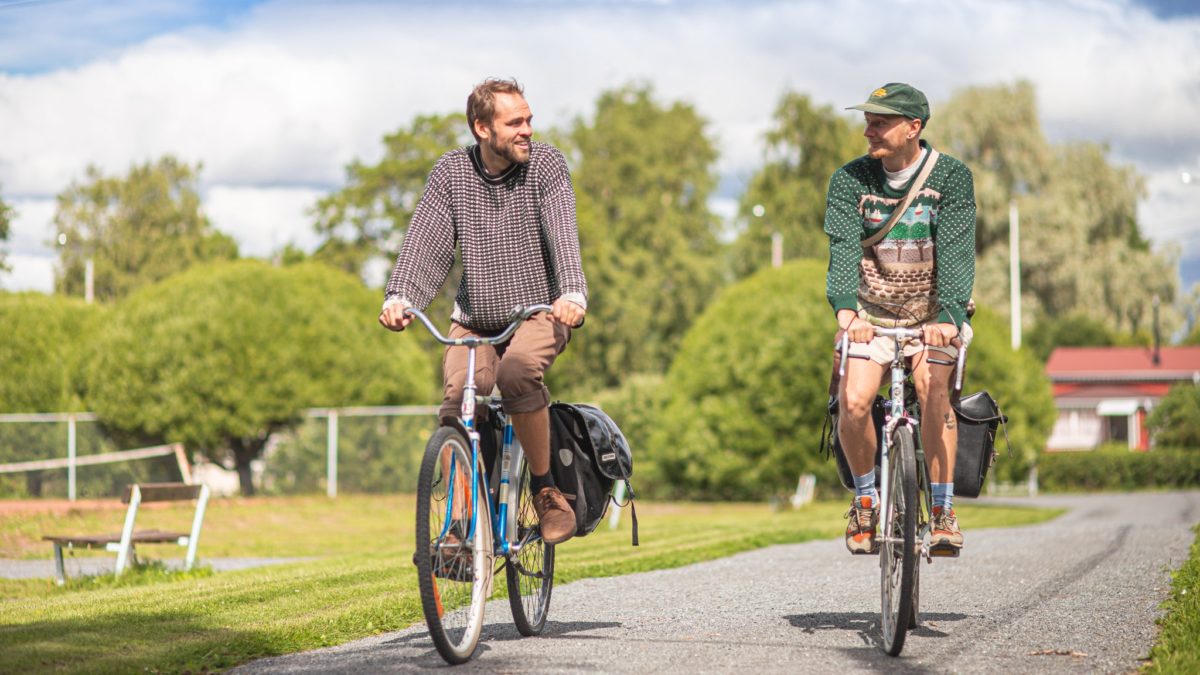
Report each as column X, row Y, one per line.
column 944, row 551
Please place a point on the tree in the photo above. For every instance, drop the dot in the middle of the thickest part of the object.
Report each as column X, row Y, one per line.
column 1077, row 329
column 1175, row 421
column 41, row 358
column 643, row 174
column 804, row 148
column 223, row 356
column 137, row 230
column 1082, row 249
column 6, row 215
column 369, row 216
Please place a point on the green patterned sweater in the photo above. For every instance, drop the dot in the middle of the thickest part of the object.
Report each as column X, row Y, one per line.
column 925, row 268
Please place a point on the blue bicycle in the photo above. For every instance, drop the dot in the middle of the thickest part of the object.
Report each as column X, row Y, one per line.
column 467, row 519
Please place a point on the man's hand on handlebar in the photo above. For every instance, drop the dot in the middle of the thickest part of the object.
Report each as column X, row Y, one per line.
column 393, row 317
column 939, row 334
column 567, row 313
column 859, row 330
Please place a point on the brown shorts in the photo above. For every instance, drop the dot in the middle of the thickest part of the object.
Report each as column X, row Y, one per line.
column 517, row 366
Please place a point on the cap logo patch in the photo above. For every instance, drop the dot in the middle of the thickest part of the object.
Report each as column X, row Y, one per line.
column 879, row 92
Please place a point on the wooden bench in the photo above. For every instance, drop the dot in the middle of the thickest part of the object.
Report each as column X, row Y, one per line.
column 123, row 543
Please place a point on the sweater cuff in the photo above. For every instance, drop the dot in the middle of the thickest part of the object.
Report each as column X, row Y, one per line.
column 948, row 316
column 395, row 300
column 844, row 302
column 577, row 298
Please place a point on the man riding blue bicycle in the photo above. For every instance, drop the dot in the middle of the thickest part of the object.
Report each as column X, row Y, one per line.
column 901, row 226
column 507, row 203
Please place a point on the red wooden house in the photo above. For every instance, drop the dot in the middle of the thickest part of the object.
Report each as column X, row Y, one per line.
column 1103, row 394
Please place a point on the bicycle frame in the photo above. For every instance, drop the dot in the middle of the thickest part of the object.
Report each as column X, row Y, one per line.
column 504, row 524
column 897, row 413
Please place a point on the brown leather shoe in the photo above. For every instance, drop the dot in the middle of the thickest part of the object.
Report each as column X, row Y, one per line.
column 555, row 517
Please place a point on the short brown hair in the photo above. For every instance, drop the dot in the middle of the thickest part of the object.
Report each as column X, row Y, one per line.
column 481, row 104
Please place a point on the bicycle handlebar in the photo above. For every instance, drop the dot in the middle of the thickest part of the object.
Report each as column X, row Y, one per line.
column 519, row 314
column 900, row 333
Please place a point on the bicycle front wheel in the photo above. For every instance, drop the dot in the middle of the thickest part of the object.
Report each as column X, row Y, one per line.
column 530, row 569
column 898, row 554
column 454, row 546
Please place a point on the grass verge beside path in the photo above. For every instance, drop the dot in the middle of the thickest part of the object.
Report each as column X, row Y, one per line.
column 361, row 582
column 1178, row 649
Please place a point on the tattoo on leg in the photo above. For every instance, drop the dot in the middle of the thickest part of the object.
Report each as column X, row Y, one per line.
column 949, row 421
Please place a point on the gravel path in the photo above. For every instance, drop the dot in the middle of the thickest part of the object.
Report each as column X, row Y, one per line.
column 1079, row 594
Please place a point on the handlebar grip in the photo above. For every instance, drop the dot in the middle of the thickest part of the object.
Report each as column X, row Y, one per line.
column 845, row 352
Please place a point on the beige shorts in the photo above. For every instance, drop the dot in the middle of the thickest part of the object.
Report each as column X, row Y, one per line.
column 882, row 350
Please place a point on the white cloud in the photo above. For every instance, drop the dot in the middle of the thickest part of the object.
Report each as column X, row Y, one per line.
column 29, row 273
column 263, row 220
column 1170, row 212
column 31, row 258
column 288, row 94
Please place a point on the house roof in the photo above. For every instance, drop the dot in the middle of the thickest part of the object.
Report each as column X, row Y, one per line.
column 1123, row 364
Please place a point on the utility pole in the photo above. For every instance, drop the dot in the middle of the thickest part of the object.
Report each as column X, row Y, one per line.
column 1014, row 271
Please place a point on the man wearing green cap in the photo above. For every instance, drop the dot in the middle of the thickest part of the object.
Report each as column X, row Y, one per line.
column 901, row 226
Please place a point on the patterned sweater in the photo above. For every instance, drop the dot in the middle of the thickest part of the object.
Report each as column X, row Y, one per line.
column 924, row 269
column 516, row 231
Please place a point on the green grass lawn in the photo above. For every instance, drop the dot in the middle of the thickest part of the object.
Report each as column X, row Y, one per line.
column 357, row 580
column 1178, row 648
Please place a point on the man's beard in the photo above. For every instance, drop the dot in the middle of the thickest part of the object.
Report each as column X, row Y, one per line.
column 509, row 151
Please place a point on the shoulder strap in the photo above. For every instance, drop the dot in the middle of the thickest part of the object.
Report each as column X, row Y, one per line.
column 916, row 186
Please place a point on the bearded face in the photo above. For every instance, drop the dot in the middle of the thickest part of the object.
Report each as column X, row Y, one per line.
column 514, row 148
column 511, row 130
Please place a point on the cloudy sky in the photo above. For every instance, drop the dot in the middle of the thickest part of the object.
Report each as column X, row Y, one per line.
column 275, row 98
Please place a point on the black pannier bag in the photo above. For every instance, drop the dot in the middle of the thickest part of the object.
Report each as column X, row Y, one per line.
column 831, row 444
column 588, row 455
column 978, row 417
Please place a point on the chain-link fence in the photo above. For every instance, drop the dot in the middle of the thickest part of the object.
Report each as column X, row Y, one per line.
column 353, row 450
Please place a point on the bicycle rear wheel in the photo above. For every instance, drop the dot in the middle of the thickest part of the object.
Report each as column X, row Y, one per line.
column 898, row 554
column 530, row 571
column 454, row 563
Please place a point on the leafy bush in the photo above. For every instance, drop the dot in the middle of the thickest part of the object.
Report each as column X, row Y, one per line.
column 40, row 355
column 1117, row 468
column 42, row 359
column 637, row 408
column 1175, row 420
column 747, row 391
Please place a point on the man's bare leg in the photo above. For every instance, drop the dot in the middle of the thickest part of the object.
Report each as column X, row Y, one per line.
column 856, row 432
column 939, row 438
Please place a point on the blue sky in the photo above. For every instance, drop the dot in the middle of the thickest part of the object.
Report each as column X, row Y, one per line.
column 274, row 98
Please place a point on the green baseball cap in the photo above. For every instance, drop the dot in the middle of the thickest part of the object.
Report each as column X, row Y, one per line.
column 897, row 98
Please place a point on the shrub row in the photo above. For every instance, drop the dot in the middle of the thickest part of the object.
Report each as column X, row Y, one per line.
column 1121, row 469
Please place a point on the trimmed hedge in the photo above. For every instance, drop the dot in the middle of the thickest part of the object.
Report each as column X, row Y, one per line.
column 1119, row 469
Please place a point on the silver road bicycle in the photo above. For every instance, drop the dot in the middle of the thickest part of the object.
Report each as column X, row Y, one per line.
column 904, row 495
